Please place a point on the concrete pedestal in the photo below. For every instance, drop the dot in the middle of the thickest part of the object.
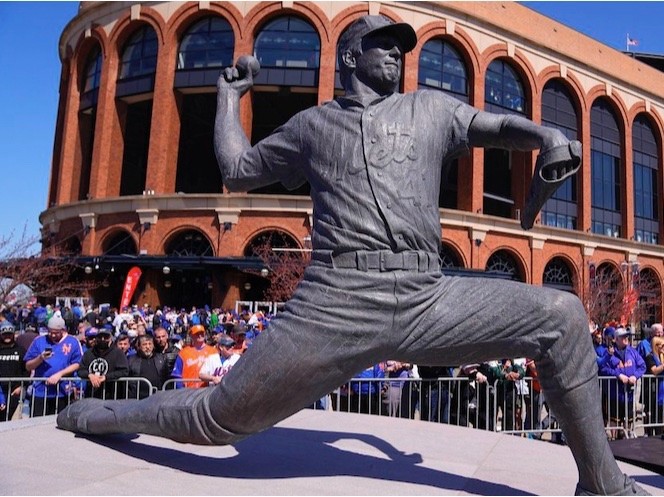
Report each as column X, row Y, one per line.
column 311, row 453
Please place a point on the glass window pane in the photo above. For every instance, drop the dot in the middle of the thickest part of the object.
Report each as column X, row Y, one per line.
column 288, row 42
column 207, row 43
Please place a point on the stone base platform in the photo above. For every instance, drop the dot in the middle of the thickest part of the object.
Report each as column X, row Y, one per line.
column 310, row 453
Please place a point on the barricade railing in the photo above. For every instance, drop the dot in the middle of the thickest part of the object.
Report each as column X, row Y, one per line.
column 33, row 397
column 521, row 408
column 458, row 401
column 175, row 383
column 509, row 407
column 651, row 399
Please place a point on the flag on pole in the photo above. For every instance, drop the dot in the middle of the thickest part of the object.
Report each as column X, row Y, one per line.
column 631, row 42
column 131, row 282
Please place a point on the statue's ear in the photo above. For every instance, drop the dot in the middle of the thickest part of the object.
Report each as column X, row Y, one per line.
column 349, row 59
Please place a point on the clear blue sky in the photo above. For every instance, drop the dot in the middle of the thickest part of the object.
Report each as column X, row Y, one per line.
column 29, row 34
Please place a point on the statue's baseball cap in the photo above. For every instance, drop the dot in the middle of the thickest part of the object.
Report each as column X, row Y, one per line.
column 366, row 25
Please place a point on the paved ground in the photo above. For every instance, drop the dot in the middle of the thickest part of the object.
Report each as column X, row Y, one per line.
column 311, row 453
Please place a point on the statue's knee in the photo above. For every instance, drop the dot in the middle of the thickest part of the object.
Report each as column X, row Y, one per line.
column 566, row 313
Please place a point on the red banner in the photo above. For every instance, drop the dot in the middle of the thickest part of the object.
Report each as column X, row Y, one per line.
column 131, row 282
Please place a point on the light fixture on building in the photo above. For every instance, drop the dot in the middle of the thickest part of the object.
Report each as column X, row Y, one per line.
column 88, row 270
column 209, row 285
column 247, row 286
column 264, row 272
column 112, row 269
column 166, row 270
column 167, row 283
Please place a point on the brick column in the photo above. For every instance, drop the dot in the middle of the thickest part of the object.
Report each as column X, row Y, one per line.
column 69, row 158
column 627, row 188
column 165, row 125
column 106, row 170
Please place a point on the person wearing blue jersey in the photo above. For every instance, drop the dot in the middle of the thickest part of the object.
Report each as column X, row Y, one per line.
column 53, row 356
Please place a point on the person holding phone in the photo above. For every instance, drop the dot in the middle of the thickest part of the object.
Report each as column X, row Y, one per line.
column 52, row 356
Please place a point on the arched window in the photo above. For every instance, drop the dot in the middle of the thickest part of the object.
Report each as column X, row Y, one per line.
column 205, row 47
column 139, row 56
column 208, row 43
column 136, row 77
column 504, row 94
column 288, row 43
column 449, row 257
column 441, row 67
column 138, row 63
column 605, row 169
column 504, row 263
column 504, row 89
column 87, row 118
column 558, row 112
column 273, row 240
column 649, row 287
column 646, row 198
column 557, row 274
column 91, row 79
column 120, row 244
column 189, row 243
column 288, row 49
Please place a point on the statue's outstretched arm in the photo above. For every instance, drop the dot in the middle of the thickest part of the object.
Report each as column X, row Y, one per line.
column 559, row 158
column 240, row 170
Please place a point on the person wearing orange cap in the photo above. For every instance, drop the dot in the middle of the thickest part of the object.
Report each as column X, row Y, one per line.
column 191, row 358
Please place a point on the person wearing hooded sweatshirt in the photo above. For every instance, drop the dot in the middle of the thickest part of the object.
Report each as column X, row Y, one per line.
column 12, row 365
column 101, row 366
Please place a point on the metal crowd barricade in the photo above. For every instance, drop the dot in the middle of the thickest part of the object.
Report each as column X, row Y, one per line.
column 176, row 383
column 619, row 414
column 520, row 408
column 650, row 418
column 524, row 410
column 123, row 388
column 67, row 390
column 445, row 400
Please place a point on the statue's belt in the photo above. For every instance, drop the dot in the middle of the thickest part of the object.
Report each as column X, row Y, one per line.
column 381, row 260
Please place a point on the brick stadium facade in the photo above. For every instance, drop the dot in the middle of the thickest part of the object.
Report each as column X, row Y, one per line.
column 134, row 182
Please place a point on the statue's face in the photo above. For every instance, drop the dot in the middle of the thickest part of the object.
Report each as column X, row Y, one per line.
column 379, row 64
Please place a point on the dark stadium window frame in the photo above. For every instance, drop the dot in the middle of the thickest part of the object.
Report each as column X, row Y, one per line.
column 605, row 164
column 441, row 67
column 210, row 42
column 504, row 89
column 91, row 80
column 282, row 37
column 646, row 199
column 558, row 111
column 138, row 63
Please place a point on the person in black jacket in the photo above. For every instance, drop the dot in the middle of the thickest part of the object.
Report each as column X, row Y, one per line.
column 12, row 365
column 149, row 365
column 163, row 346
column 101, row 366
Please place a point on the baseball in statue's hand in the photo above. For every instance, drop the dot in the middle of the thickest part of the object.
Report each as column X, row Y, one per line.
column 248, row 63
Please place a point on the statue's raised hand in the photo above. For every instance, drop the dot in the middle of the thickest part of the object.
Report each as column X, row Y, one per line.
column 240, row 77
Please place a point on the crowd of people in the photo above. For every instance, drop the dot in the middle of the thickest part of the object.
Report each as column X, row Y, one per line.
column 171, row 348
column 93, row 348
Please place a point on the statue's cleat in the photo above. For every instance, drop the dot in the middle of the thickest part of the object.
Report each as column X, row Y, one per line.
column 90, row 416
column 630, row 487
